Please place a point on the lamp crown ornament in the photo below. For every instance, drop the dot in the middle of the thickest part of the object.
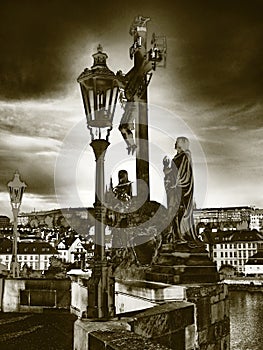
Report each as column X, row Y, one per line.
column 100, row 58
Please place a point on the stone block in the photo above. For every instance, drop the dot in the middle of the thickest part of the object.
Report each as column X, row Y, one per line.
column 203, row 336
column 227, row 307
column 120, row 340
column 217, row 312
column 222, row 296
column 101, row 338
column 163, row 319
column 135, row 343
column 150, row 291
column 214, row 299
column 221, row 311
column 214, row 312
column 174, row 341
column 194, row 293
column 203, row 313
column 190, row 337
column 226, row 327
column 82, row 329
column 225, row 343
column 225, row 289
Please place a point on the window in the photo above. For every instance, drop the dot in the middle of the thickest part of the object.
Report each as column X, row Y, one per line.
column 45, row 258
column 230, row 246
column 226, row 255
column 25, row 257
column 230, row 254
column 7, row 257
column 19, row 257
column 31, row 257
column 215, row 254
column 235, row 254
column 222, row 254
column 221, row 246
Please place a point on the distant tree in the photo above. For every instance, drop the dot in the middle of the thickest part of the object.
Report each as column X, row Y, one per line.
column 227, row 270
column 57, row 268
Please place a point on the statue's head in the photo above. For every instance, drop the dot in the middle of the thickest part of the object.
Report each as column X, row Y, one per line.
column 123, row 176
column 182, row 144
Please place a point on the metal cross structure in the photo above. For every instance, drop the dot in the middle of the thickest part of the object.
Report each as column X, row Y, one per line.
column 134, row 85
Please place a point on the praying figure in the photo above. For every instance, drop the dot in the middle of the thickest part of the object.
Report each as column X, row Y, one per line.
column 179, row 186
column 123, row 191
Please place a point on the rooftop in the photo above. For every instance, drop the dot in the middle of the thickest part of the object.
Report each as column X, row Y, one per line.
column 26, row 247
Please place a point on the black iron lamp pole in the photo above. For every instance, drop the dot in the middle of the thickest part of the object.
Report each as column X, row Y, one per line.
column 99, row 88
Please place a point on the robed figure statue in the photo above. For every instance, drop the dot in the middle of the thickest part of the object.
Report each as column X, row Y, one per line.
column 179, row 186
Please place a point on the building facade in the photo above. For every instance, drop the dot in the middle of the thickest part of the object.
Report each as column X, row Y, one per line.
column 256, row 220
column 73, row 250
column 234, row 248
column 226, row 218
column 35, row 255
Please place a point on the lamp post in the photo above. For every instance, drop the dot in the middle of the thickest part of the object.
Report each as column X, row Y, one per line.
column 99, row 88
column 16, row 190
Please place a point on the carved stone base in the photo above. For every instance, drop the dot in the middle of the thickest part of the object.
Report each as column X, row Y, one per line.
column 183, row 264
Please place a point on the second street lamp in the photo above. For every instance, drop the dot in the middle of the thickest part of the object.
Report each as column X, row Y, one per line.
column 99, row 87
column 16, row 190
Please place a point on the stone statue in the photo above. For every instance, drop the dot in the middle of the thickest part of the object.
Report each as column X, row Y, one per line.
column 179, row 186
column 123, row 191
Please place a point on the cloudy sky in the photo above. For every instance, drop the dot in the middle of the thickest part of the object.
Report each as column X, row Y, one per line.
column 213, row 82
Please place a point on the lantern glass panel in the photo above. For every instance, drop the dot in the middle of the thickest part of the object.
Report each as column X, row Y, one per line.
column 91, row 100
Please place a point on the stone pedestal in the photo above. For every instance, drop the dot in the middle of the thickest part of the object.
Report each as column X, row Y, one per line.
column 183, row 264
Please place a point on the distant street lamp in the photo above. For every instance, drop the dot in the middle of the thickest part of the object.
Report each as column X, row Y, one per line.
column 100, row 88
column 16, row 190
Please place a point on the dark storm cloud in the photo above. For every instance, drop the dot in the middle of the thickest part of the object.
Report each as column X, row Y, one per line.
column 209, row 41
column 219, row 45
column 36, row 39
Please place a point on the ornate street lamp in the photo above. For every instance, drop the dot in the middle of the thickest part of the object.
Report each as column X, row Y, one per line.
column 16, row 190
column 99, row 88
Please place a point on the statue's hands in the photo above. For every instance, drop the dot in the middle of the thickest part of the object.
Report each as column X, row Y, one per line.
column 166, row 162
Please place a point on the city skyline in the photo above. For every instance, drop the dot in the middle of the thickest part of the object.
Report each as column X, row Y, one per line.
column 212, row 83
